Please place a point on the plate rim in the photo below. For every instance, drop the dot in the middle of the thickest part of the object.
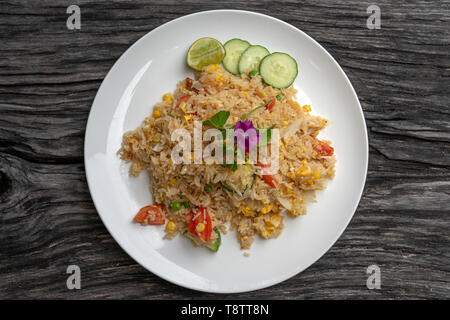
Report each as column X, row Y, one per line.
column 256, row 286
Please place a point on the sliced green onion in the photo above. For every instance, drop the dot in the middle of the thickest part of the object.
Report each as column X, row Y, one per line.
column 186, row 204
column 258, row 107
column 278, row 96
column 208, row 188
column 253, row 73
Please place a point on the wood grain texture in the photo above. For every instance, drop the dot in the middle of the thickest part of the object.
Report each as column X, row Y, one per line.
column 49, row 76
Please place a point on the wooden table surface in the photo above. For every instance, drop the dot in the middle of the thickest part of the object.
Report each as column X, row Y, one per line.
column 49, row 76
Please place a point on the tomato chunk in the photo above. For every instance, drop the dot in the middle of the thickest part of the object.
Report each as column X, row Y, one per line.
column 153, row 215
column 270, row 105
column 204, row 231
column 268, row 178
column 322, row 148
column 182, row 99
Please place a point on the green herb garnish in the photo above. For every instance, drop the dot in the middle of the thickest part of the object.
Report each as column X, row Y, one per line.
column 186, row 204
column 227, row 187
column 253, row 73
column 258, row 107
column 218, row 120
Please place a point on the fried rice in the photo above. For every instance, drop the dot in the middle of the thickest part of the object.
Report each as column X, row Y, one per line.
column 259, row 209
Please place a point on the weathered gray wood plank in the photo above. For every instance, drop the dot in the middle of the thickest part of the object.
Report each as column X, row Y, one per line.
column 48, row 79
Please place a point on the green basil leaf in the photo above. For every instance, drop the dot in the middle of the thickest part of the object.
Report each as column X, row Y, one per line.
column 218, row 120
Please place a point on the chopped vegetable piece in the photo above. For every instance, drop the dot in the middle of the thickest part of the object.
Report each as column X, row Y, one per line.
column 270, row 105
column 176, row 206
column 278, row 97
column 253, row 73
column 270, row 180
column 253, row 110
column 153, row 215
column 201, row 216
column 214, row 245
column 186, row 204
column 227, row 187
column 322, row 148
column 208, row 188
column 267, row 178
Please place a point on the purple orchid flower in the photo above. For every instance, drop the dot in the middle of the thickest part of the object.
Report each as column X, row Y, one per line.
column 246, row 135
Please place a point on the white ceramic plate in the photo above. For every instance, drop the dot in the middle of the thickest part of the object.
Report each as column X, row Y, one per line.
column 153, row 66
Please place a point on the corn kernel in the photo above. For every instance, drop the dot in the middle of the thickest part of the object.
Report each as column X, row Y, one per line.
column 156, row 114
column 167, row 97
column 171, row 226
column 200, row 227
column 306, row 108
column 317, row 175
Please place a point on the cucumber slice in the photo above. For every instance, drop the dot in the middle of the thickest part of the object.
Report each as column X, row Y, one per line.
column 251, row 58
column 278, row 70
column 233, row 51
column 214, row 246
